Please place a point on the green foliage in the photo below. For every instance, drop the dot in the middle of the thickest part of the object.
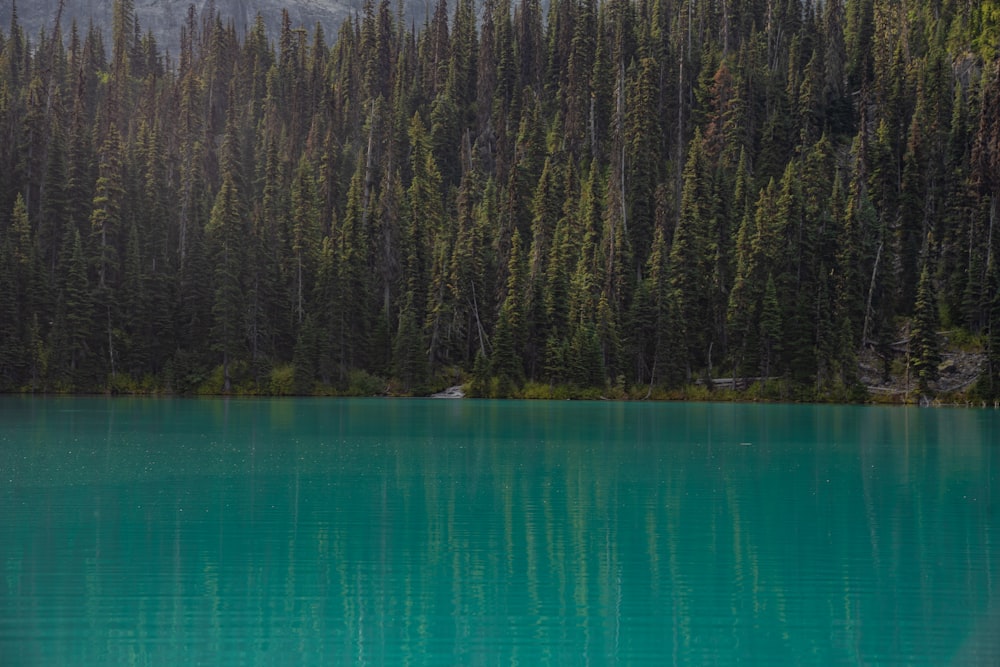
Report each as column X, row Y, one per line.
column 625, row 194
column 924, row 344
column 281, row 381
column 409, row 352
column 363, row 383
column 226, row 235
column 479, row 385
column 559, row 392
column 966, row 341
column 988, row 385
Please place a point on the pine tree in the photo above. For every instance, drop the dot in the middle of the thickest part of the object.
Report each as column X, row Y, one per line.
column 106, row 227
column 72, row 334
column 305, row 357
column 858, row 34
column 643, row 166
column 770, row 329
column 425, row 218
column 744, row 297
column 545, row 206
column 410, row 349
column 11, row 354
column 226, row 234
column 988, row 384
column 329, row 298
column 480, row 385
column 912, row 228
column 575, row 91
column 305, row 236
column 446, row 136
column 506, row 362
column 925, row 348
column 565, row 249
column 138, row 337
column 691, row 257
column 54, row 205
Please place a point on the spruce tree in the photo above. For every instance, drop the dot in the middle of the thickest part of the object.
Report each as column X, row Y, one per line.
column 771, row 334
column 988, row 384
column 106, row 227
column 691, row 256
column 305, row 237
column 410, row 349
column 11, row 354
column 925, row 348
column 226, row 235
column 507, row 362
column 72, row 335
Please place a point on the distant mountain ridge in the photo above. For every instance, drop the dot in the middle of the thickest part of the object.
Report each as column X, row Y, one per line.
column 165, row 17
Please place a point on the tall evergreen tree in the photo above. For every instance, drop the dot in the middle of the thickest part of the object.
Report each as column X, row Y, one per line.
column 925, row 348
column 226, row 235
column 691, row 257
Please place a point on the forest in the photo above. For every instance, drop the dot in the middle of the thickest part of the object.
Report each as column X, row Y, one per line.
column 617, row 198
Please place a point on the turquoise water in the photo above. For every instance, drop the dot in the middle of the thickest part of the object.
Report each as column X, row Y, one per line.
column 413, row 532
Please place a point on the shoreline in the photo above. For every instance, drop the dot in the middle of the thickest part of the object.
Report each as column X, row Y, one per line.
column 688, row 394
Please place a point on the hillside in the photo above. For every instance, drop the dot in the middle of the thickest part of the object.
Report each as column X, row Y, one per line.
column 619, row 198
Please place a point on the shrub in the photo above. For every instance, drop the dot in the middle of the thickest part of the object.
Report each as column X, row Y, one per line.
column 281, row 380
column 363, row 383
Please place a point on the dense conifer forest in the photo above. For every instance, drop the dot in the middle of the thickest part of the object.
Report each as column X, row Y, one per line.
column 618, row 198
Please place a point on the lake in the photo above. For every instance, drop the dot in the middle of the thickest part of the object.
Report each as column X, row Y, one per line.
column 463, row 532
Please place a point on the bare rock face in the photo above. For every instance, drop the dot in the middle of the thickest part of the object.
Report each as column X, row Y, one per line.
column 165, row 17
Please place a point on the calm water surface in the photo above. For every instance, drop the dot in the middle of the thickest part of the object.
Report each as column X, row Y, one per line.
column 412, row 532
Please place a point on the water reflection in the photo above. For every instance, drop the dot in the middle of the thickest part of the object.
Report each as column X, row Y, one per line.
column 468, row 532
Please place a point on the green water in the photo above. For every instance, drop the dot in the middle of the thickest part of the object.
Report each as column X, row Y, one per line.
column 411, row 532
